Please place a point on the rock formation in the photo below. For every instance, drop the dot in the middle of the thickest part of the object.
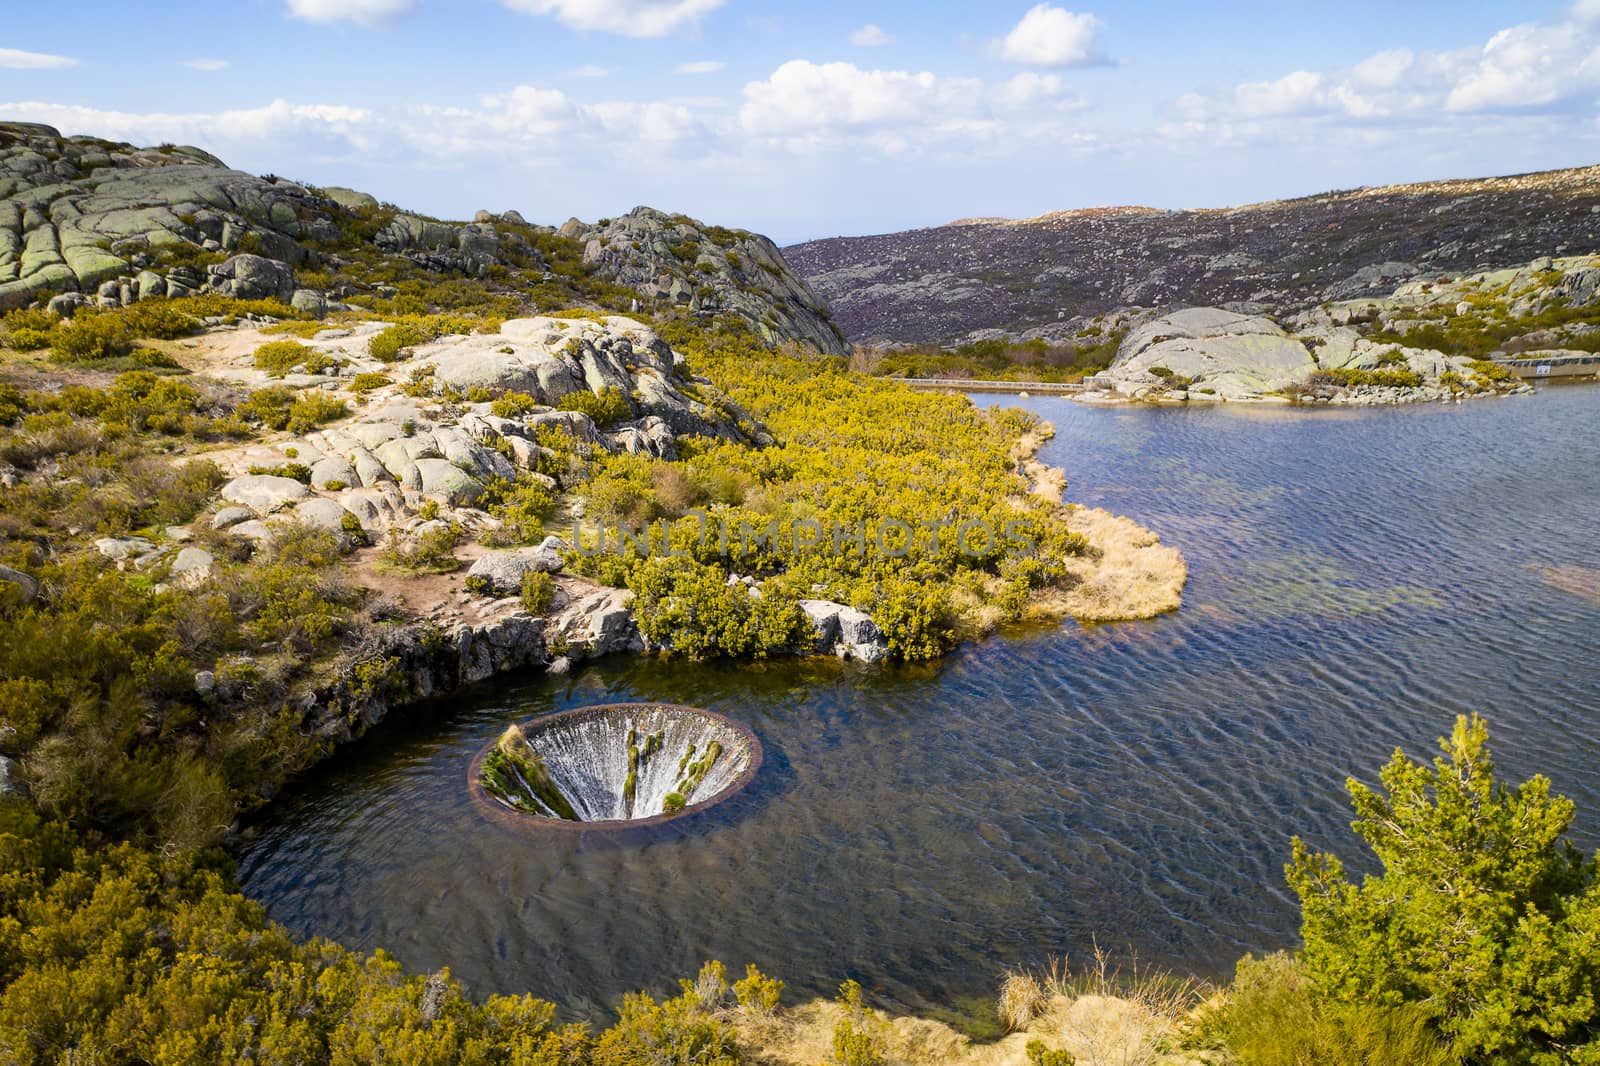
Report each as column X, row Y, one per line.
column 98, row 222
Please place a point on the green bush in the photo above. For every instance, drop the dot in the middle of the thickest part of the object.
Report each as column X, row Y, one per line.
column 27, row 329
column 691, row 608
column 538, row 592
column 390, row 344
column 1272, row 1017
column 431, row 552
column 1040, row 1055
column 90, row 336
column 280, row 407
column 296, row 471
column 366, row 382
column 1349, row 377
column 111, row 947
column 1482, row 919
column 139, row 401
column 683, row 1031
column 159, row 319
column 278, row 358
column 755, row 992
column 514, row 405
column 1487, row 371
column 606, row 408
column 858, row 1037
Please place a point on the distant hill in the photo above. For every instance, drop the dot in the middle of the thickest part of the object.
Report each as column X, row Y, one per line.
column 945, row 283
column 101, row 222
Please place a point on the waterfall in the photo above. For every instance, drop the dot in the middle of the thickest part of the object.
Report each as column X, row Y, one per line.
column 627, row 762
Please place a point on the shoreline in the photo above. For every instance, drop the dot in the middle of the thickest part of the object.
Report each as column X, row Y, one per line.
column 1129, row 575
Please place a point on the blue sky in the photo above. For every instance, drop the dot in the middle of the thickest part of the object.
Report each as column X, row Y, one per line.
column 808, row 120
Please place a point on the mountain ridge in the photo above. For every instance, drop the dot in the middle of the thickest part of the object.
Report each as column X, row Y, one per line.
column 1048, row 274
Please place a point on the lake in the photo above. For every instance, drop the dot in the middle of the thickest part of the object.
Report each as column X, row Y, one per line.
column 1357, row 579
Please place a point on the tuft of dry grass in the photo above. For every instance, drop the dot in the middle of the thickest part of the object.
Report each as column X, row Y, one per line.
column 1127, row 574
column 1021, row 998
column 1118, row 1016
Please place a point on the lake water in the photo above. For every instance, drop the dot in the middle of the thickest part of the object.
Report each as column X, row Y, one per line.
column 1357, row 579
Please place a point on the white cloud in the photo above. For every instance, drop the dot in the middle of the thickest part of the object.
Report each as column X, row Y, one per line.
column 812, row 107
column 16, row 59
column 701, row 66
column 318, row 126
column 361, row 12
column 1532, row 68
column 1385, row 70
column 630, row 18
column 207, row 65
column 1028, row 89
column 1526, row 66
column 590, row 72
column 1052, row 37
column 800, row 108
column 873, row 36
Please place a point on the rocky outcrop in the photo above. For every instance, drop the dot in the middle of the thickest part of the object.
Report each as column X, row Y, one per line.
column 104, row 223
column 1215, row 355
column 11, row 784
column 81, row 214
column 1238, row 357
column 15, row 583
column 1056, row 272
column 440, row 439
column 676, row 261
column 501, row 572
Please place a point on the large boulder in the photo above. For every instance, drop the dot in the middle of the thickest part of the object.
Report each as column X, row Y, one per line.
column 1236, row 356
column 502, row 571
column 264, row 493
column 11, row 784
column 25, row 585
column 191, row 566
column 253, row 277
column 844, row 631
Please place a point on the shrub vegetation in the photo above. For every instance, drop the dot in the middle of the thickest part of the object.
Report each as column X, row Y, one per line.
column 851, row 453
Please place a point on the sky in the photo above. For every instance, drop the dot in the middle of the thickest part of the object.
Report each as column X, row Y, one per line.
column 829, row 117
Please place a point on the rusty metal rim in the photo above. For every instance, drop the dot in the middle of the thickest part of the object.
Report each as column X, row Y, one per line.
column 499, row 812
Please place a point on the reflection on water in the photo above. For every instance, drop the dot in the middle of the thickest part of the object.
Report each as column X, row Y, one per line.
column 1357, row 579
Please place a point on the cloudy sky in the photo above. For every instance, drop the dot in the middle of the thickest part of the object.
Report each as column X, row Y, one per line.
column 808, row 120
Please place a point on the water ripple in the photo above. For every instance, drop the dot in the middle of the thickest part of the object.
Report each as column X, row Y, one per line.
column 1357, row 579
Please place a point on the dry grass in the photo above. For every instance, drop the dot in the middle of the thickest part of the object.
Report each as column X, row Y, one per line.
column 1123, row 1017
column 1021, row 998
column 1127, row 574
column 1105, row 1015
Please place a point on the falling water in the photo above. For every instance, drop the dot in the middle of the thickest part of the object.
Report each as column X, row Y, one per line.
column 586, row 754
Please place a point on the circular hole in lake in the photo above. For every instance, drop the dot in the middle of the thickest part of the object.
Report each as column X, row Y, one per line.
column 615, row 765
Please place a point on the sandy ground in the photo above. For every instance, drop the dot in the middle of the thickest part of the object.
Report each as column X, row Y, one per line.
column 1128, row 573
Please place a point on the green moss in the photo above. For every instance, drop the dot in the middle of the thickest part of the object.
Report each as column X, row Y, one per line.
column 515, row 773
column 695, row 772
